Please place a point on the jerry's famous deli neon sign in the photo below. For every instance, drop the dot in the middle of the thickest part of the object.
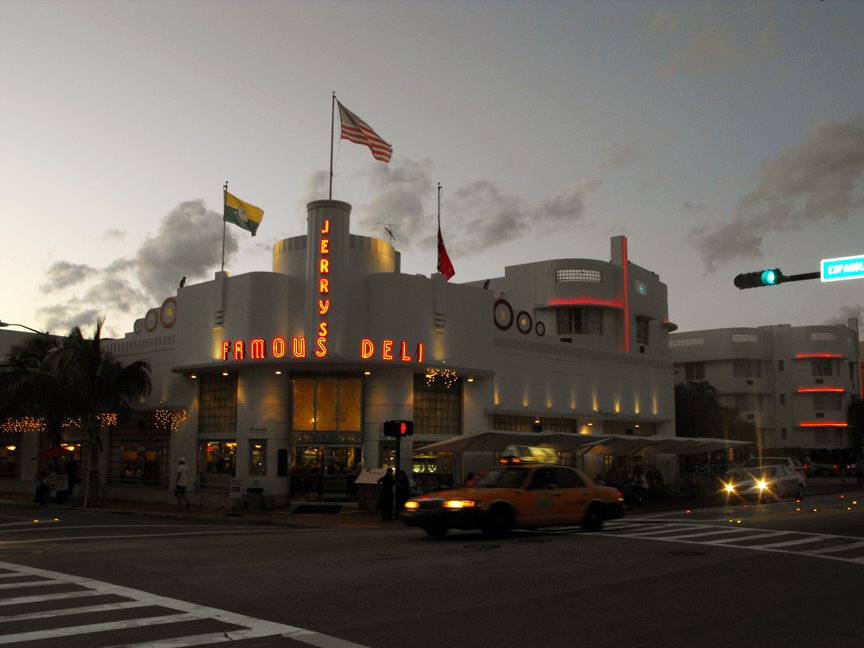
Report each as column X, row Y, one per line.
column 278, row 347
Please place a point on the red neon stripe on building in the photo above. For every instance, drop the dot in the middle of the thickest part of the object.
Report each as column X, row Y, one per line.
column 808, row 390
column 823, row 424
column 626, row 297
column 818, row 355
column 585, row 301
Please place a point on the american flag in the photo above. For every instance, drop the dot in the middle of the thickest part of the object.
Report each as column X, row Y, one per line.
column 356, row 130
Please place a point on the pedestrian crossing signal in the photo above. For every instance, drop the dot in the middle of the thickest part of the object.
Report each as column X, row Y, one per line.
column 398, row 428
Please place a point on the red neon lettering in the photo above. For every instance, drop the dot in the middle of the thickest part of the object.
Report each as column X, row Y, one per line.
column 324, row 266
column 322, row 330
column 321, row 351
column 257, row 349
column 367, row 348
column 419, row 352
column 325, row 246
column 239, row 350
column 326, row 228
column 387, row 349
column 298, row 347
column 226, row 349
column 278, row 347
column 405, row 357
column 323, row 286
column 323, row 306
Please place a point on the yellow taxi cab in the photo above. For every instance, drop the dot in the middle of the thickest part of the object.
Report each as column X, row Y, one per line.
column 522, row 493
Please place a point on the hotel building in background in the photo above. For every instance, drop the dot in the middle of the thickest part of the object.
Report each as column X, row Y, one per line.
column 283, row 379
column 794, row 383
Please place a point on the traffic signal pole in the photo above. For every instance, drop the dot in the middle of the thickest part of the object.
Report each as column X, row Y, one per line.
column 770, row 277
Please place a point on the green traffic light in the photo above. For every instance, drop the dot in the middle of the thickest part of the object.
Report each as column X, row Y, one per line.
column 769, row 277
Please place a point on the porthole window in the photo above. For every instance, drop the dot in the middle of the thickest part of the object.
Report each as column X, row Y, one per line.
column 524, row 322
column 503, row 313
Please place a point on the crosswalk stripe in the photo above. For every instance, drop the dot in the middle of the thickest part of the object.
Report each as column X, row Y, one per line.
column 676, row 532
column 40, row 635
column 246, row 627
column 75, row 610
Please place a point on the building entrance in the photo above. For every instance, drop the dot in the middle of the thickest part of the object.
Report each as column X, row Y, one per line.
column 324, row 471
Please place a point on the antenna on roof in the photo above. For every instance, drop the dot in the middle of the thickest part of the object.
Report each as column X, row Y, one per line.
column 388, row 227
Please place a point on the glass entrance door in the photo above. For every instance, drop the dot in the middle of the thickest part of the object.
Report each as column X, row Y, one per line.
column 324, row 471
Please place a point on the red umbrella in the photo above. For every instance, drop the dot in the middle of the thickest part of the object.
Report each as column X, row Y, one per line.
column 50, row 453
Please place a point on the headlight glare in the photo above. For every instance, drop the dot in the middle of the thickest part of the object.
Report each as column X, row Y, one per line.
column 461, row 504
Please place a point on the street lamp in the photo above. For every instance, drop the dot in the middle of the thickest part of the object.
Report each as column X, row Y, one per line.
column 24, row 326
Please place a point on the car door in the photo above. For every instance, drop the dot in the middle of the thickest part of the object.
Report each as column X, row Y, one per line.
column 574, row 495
column 542, row 505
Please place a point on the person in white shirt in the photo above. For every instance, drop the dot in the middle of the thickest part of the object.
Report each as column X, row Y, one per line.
column 181, row 483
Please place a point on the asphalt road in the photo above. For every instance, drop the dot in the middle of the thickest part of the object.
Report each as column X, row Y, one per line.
column 784, row 574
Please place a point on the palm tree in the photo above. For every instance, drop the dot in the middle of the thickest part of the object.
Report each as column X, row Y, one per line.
column 79, row 378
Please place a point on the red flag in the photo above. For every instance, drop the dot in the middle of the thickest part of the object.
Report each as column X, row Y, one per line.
column 445, row 267
column 356, row 130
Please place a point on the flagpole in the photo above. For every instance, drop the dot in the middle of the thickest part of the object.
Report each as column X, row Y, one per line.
column 332, row 128
column 439, row 206
column 224, row 202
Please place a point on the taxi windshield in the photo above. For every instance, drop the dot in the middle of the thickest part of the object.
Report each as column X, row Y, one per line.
column 502, row 477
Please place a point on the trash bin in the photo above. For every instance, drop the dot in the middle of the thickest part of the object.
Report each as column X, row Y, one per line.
column 255, row 499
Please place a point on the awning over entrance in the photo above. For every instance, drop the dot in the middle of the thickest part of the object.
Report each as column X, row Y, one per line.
column 495, row 441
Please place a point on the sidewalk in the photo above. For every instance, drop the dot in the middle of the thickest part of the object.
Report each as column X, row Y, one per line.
column 347, row 515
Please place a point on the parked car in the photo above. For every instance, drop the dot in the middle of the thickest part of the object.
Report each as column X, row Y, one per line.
column 765, row 484
column 764, row 462
column 823, row 469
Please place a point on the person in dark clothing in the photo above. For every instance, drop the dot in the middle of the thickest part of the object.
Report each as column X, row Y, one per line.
column 386, row 482
column 403, row 491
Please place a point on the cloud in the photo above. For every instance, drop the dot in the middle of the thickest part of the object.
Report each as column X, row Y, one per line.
column 619, row 156
column 317, row 187
column 846, row 313
column 400, row 189
column 114, row 235
column 475, row 216
column 820, row 180
column 697, row 41
column 63, row 274
column 188, row 243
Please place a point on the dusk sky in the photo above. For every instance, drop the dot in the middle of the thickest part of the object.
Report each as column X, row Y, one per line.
column 719, row 137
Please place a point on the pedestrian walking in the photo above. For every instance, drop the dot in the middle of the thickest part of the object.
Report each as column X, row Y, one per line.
column 181, row 484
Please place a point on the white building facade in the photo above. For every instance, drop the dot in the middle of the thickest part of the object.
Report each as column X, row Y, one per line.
column 794, row 383
column 282, row 380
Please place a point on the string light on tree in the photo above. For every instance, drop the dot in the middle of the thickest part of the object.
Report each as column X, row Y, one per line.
column 22, row 425
column 446, row 377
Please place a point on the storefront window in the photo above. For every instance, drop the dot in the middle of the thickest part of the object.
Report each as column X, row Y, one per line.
column 139, row 463
column 10, row 452
column 258, row 457
column 329, row 404
column 217, row 399
column 437, row 405
column 216, row 464
column 326, row 403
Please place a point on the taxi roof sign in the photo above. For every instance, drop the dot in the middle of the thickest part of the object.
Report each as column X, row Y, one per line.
column 528, row 454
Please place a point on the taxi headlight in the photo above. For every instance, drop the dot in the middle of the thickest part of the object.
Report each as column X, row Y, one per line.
column 762, row 485
column 462, row 504
column 412, row 505
column 729, row 488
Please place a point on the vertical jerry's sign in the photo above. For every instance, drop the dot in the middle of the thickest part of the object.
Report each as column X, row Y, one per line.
column 326, row 276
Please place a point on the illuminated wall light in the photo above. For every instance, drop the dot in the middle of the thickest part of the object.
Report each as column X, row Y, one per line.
column 278, row 372
column 224, row 373
column 617, row 406
column 367, row 373
column 193, row 376
column 470, row 379
column 11, row 448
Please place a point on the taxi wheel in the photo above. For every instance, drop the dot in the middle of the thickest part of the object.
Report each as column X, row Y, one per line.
column 594, row 518
column 498, row 522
